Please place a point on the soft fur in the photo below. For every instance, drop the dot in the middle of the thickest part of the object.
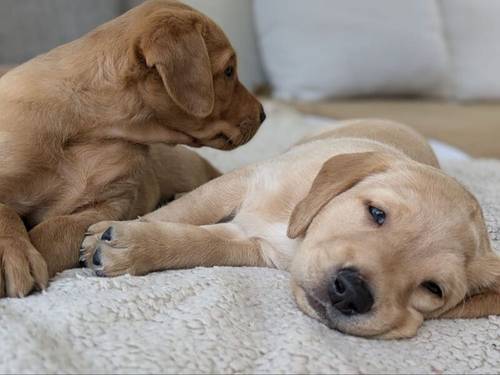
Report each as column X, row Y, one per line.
column 81, row 128
column 307, row 212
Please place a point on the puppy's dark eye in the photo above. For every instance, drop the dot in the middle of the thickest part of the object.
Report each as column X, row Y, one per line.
column 432, row 287
column 377, row 214
column 229, row 72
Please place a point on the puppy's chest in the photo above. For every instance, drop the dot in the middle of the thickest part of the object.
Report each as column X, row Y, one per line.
column 96, row 164
column 88, row 174
column 277, row 248
column 265, row 213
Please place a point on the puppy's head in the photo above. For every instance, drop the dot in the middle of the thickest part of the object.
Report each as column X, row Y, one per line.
column 189, row 76
column 388, row 243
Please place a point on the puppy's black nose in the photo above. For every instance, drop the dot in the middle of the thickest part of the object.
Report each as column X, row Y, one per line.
column 349, row 293
column 262, row 115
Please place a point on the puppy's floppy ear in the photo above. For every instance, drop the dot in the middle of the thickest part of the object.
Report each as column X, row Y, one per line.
column 484, row 276
column 338, row 174
column 174, row 45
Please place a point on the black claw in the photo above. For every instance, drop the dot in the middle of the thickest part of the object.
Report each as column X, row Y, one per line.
column 82, row 261
column 107, row 235
column 100, row 273
column 96, row 259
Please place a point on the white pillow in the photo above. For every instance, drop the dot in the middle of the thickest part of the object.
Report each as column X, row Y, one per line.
column 472, row 28
column 332, row 48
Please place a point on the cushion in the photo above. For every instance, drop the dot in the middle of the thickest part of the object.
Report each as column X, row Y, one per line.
column 472, row 30
column 355, row 47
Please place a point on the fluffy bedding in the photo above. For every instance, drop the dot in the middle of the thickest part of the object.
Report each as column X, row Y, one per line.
column 226, row 320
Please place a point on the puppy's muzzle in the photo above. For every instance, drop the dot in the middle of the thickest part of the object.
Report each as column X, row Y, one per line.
column 349, row 293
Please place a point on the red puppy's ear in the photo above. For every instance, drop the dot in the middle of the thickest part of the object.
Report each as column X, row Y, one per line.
column 338, row 174
column 173, row 44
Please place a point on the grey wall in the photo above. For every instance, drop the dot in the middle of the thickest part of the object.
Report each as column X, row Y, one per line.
column 31, row 27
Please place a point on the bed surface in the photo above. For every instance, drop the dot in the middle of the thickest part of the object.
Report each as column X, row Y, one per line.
column 232, row 319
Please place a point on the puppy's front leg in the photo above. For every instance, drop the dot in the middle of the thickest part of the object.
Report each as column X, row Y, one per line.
column 208, row 204
column 138, row 248
column 22, row 268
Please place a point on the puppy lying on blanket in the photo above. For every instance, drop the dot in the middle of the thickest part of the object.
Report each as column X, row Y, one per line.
column 376, row 237
column 80, row 129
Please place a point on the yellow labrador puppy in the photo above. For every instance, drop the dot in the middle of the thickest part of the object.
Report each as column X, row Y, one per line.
column 376, row 237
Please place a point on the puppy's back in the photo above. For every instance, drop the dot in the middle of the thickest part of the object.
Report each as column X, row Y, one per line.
column 391, row 133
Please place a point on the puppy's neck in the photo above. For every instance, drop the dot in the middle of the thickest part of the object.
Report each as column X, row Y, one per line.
column 147, row 133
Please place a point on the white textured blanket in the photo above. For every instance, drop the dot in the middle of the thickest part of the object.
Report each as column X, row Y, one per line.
column 227, row 320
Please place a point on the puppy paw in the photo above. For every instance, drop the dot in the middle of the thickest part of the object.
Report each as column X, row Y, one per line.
column 107, row 248
column 22, row 268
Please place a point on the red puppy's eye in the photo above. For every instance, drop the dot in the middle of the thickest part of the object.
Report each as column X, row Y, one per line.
column 229, row 72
